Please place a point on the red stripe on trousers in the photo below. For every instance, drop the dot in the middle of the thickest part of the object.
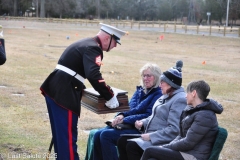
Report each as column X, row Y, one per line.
column 70, row 135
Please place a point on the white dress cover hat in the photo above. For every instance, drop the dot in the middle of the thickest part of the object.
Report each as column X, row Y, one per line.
column 115, row 32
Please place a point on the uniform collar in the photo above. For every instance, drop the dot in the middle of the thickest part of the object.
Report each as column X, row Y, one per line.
column 96, row 38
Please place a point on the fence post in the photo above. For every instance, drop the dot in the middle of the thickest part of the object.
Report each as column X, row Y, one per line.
column 175, row 26
column 164, row 27
column 239, row 32
column 197, row 29
column 224, row 31
column 152, row 23
column 138, row 25
column 210, row 30
column 131, row 24
column 146, row 23
column 185, row 28
column 159, row 24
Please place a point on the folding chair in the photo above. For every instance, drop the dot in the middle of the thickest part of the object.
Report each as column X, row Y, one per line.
column 218, row 144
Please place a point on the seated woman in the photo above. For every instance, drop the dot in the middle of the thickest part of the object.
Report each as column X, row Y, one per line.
column 198, row 127
column 163, row 125
column 141, row 105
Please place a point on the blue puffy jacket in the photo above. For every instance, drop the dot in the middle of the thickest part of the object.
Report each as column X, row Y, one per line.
column 141, row 104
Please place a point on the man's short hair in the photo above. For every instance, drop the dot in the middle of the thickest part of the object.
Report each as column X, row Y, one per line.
column 202, row 88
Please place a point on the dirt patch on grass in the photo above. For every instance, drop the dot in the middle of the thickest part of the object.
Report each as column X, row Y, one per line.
column 14, row 149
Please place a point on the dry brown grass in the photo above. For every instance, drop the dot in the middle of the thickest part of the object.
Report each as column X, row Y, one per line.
column 33, row 52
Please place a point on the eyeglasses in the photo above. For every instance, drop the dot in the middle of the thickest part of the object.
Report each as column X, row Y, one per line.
column 146, row 75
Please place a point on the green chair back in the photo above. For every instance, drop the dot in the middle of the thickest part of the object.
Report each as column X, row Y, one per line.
column 218, row 144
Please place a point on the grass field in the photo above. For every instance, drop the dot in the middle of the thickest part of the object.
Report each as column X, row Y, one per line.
column 33, row 50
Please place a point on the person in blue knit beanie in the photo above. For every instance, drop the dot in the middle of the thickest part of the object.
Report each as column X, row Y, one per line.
column 163, row 124
column 174, row 75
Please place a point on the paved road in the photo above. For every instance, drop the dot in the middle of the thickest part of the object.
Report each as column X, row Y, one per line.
column 192, row 30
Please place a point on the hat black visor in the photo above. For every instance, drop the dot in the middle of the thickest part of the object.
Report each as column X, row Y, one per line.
column 116, row 39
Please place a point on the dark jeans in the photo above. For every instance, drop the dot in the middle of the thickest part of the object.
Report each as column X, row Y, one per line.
column 159, row 153
column 105, row 141
column 128, row 150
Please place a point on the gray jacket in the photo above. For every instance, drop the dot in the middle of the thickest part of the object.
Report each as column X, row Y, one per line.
column 163, row 124
column 198, row 129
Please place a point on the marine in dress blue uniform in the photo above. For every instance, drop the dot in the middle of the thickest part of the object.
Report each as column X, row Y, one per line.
column 63, row 88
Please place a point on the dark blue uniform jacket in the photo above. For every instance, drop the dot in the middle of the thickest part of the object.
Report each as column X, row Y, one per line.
column 84, row 57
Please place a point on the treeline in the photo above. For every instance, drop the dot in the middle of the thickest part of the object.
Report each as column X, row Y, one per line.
column 193, row 10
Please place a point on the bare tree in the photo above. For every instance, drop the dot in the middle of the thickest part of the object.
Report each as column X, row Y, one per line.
column 131, row 9
column 42, row 9
column 172, row 5
column 234, row 11
column 15, row 7
column 35, row 5
column 98, row 8
column 7, row 5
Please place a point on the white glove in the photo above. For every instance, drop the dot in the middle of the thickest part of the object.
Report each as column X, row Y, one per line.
column 113, row 102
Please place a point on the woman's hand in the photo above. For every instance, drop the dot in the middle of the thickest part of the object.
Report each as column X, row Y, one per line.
column 138, row 124
column 145, row 137
column 117, row 120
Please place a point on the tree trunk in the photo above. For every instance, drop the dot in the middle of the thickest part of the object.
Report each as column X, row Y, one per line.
column 36, row 10
column 42, row 9
column 98, row 8
column 15, row 8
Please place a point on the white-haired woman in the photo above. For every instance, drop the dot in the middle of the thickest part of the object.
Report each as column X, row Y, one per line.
column 141, row 103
